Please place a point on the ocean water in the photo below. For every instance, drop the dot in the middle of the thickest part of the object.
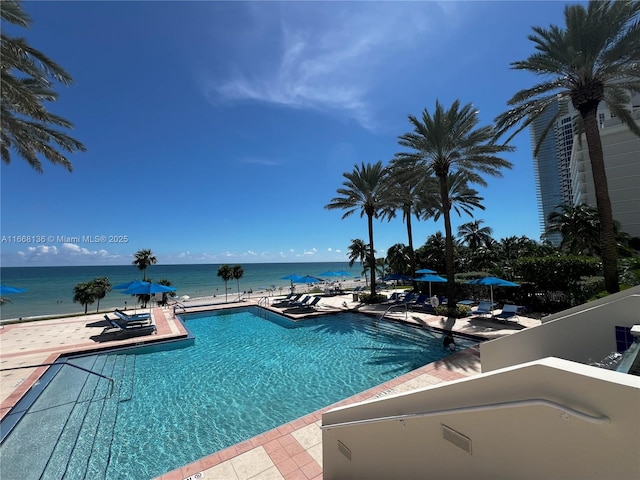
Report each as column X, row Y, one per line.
column 50, row 289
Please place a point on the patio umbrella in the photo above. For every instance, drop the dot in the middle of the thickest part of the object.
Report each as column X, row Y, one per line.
column 493, row 282
column 308, row 279
column 124, row 286
column 430, row 278
column 397, row 276
column 425, row 270
column 330, row 274
column 291, row 277
column 147, row 288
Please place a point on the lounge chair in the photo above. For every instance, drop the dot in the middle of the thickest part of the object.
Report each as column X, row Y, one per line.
column 305, row 307
column 300, row 303
column 508, row 312
column 287, row 301
column 139, row 317
column 484, row 308
column 422, row 304
column 120, row 328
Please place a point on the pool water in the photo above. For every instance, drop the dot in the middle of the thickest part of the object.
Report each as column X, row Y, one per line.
column 247, row 372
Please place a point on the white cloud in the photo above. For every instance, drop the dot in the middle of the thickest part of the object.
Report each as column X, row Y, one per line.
column 65, row 254
column 320, row 56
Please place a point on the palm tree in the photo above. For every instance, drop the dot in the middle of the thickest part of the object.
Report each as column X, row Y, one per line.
column 579, row 226
column 101, row 287
column 447, row 142
column 225, row 272
column 363, row 190
column 399, row 260
column 358, row 251
column 474, row 235
column 430, row 254
column 165, row 295
column 144, row 258
column 27, row 75
column 595, row 58
column 84, row 294
column 408, row 189
column 237, row 272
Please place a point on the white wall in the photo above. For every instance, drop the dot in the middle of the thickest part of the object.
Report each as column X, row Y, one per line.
column 583, row 334
column 515, row 443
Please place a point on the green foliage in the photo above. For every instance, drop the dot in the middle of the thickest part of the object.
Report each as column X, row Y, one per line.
column 371, row 299
column 556, row 272
column 460, row 311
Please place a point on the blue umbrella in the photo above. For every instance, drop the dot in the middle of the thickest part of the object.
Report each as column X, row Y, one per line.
column 6, row 289
column 330, row 274
column 307, row 279
column 397, row 276
column 430, row 278
column 147, row 288
column 344, row 273
column 425, row 270
column 492, row 282
column 124, row 286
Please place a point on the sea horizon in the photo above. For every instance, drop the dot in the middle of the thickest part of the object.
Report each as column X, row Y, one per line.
column 49, row 289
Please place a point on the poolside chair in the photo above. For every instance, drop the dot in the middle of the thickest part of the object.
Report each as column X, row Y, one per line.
column 508, row 312
column 125, row 329
column 300, row 303
column 306, row 307
column 139, row 317
column 484, row 308
column 287, row 301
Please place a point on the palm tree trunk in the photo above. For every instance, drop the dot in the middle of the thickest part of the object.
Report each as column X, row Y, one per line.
column 608, row 245
column 412, row 255
column 448, row 242
column 372, row 256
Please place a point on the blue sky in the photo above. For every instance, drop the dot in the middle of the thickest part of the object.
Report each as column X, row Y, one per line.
column 216, row 132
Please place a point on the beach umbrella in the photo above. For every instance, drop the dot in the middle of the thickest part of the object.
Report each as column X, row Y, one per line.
column 397, row 276
column 124, row 286
column 308, row 279
column 430, row 278
column 330, row 274
column 6, row 289
column 425, row 270
column 147, row 288
column 492, row 282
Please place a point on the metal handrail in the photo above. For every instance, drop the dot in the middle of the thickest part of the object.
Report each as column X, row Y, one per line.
column 111, row 381
column 401, row 304
column 598, row 419
column 263, row 299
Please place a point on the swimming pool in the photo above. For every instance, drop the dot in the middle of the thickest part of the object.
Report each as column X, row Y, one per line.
column 248, row 371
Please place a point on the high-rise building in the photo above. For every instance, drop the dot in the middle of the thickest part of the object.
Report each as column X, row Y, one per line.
column 621, row 149
column 551, row 164
column 563, row 168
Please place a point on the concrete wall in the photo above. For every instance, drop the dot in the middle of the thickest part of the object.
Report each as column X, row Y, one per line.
column 583, row 334
column 529, row 442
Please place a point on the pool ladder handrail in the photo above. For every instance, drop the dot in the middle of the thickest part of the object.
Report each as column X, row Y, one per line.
column 61, row 364
column 401, row 304
column 264, row 300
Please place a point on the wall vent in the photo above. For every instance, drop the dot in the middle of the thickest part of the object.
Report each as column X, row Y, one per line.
column 344, row 450
column 457, row 439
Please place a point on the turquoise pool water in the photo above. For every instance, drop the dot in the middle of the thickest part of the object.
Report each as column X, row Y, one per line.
column 247, row 372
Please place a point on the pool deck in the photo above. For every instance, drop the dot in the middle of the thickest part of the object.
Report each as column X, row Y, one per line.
column 290, row 451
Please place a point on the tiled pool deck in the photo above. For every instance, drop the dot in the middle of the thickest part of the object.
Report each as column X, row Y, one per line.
column 290, row 451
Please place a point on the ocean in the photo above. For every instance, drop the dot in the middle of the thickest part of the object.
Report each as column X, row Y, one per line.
column 50, row 289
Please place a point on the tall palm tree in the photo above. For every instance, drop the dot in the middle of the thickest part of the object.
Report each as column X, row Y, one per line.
column 408, row 189
column 143, row 259
column 430, row 254
column 450, row 141
column 101, row 287
column 226, row 273
column 237, row 272
column 84, row 294
column 363, row 191
column 399, row 261
column 358, row 251
column 27, row 75
column 595, row 58
column 474, row 235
